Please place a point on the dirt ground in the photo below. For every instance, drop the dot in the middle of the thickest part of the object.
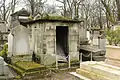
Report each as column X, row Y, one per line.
column 63, row 75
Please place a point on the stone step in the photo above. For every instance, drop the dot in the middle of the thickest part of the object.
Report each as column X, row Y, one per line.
column 100, row 68
column 111, row 66
column 106, row 71
column 90, row 75
column 113, row 62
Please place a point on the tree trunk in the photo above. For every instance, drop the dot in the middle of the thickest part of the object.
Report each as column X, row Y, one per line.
column 13, row 5
column 4, row 11
column 65, row 12
column 118, row 9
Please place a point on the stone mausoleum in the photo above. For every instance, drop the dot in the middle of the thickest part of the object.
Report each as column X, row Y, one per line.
column 54, row 39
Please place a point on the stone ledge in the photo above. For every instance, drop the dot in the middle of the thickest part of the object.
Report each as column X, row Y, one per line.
column 91, row 75
column 94, row 69
column 113, row 62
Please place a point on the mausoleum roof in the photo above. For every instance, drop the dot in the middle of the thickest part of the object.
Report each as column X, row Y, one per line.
column 52, row 19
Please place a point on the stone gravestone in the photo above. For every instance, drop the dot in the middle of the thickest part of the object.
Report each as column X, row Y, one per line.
column 108, row 70
column 21, row 40
column 21, row 45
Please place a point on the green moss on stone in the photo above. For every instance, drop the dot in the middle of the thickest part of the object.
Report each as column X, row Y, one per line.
column 4, row 50
column 29, row 66
column 17, row 70
column 56, row 17
column 18, row 77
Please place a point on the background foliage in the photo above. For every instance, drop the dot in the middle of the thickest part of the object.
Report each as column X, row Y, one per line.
column 113, row 36
column 4, row 50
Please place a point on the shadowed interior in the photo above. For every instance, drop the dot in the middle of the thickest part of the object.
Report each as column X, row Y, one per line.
column 62, row 41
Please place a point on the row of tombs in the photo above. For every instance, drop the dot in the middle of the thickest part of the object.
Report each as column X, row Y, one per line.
column 51, row 40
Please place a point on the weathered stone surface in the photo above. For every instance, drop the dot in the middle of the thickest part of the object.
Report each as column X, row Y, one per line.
column 1, row 60
column 21, row 58
column 48, row 59
column 3, row 67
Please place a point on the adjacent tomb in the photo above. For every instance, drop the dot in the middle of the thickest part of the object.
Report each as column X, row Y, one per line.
column 108, row 70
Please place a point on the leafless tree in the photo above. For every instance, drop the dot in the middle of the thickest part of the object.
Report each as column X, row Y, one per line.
column 93, row 14
column 70, row 8
column 51, row 9
column 111, row 11
column 35, row 6
column 6, row 8
column 64, row 7
column 118, row 8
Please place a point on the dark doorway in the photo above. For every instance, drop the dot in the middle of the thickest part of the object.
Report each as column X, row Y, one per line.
column 62, row 41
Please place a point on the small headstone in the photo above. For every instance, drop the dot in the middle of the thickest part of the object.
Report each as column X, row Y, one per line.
column 3, row 67
column 1, row 60
column 10, row 45
column 108, row 70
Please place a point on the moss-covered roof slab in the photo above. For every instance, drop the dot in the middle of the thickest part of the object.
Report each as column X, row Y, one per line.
column 52, row 20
